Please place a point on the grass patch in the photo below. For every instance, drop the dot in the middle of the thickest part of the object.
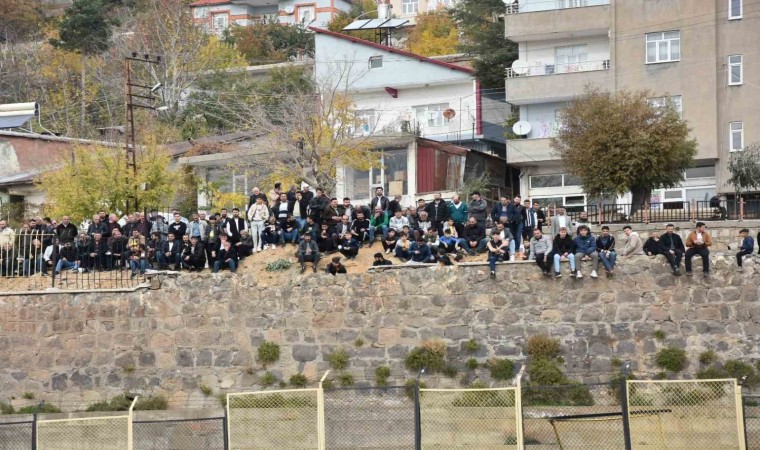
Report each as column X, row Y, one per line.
column 542, row 346
column 267, row 379
column 472, row 364
column 338, row 359
column 268, row 353
column 298, row 380
column 346, row 380
column 278, row 265
column 206, row 390
column 359, row 342
column 431, row 356
column 382, row 374
column 501, row 369
column 659, row 335
column 708, row 357
column 471, row 346
column 672, row 359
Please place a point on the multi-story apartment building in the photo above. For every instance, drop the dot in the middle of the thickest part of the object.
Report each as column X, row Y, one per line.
column 699, row 53
column 408, row 9
column 218, row 15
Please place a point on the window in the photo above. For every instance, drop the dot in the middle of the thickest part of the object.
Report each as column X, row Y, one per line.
column 660, row 102
column 431, row 115
column 570, row 58
column 554, row 180
column 700, row 172
column 366, row 121
column 391, row 175
column 305, row 14
column 410, row 6
column 736, row 136
column 735, row 70
column 375, row 62
column 220, row 21
column 663, row 46
column 571, row 3
column 734, row 9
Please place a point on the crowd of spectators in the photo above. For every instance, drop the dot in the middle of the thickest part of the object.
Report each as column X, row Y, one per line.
column 438, row 231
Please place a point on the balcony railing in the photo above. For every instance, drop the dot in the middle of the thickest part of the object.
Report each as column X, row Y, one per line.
column 553, row 69
column 549, row 5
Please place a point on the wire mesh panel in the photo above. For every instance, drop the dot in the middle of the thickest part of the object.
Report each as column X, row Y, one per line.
column 369, row 418
column 469, row 418
column 752, row 421
column 684, row 414
column 16, row 435
column 573, row 416
column 92, row 433
column 187, row 434
column 274, row 420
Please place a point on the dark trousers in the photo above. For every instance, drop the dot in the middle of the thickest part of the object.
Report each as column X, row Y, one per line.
column 350, row 252
column 674, row 260
column 542, row 263
column 527, row 233
column 438, row 225
column 740, row 256
column 303, row 259
column 210, row 247
column 701, row 251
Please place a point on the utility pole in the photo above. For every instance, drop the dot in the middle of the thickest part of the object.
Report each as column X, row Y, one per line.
column 129, row 132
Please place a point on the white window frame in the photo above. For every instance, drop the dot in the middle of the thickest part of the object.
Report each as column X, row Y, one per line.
column 373, row 60
column 564, row 184
column 426, row 110
column 730, row 9
column 410, row 6
column 731, row 65
column 310, row 11
column 658, row 39
column 735, row 128
column 570, row 58
column 659, row 102
column 224, row 16
column 366, row 122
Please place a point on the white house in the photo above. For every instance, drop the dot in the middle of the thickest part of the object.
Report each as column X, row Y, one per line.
column 217, row 15
column 397, row 93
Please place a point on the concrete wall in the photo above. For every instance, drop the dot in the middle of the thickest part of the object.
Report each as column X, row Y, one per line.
column 74, row 349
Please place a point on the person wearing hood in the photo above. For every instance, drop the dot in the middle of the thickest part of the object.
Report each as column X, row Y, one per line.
column 633, row 246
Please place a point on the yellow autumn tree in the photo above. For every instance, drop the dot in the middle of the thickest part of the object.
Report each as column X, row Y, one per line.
column 91, row 178
column 435, row 34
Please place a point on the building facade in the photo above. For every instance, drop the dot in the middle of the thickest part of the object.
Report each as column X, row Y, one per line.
column 409, row 9
column 698, row 54
column 218, row 15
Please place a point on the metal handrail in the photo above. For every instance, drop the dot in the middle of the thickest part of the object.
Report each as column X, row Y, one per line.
column 559, row 69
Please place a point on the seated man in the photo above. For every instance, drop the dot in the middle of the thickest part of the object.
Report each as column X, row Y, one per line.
column 474, row 235
column 585, row 247
column 360, row 229
column 245, row 247
column 672, row 247
column 378, row 223
column 227, row 257
column 349, row 246
column 431, row 237
column 402, row 248
column 309, row 227
column 389, row 242
column 325, row 240
column 290, row 230
column 506, row 236
column 194, row 256
column 449, row 243
column 745, row 248
column 652, row 245
column 380, row 260
column 172, row 252
column 424, row 224
column 308, row 251
column 540, row 247
column 68, row 258
column 98, row 247
column 420, row 252
column 335, row 267
column 117, row 249
column 398, row 222
column 138, row 259
column 698, row 242
column 633, row 246
column 605, row 246
column 563, row 247
column 498, row 250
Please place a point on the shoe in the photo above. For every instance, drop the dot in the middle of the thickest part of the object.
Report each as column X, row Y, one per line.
column 740, row 269
column 387, row 251
column 579, row 274
column 274, row 246
column 133, row 275
column 707, row 273
column 256, row 250
column 370, row 244
column 689, row 273
column 303, row 269
column 546, row 273
column 594, row 274
column 512, row 258
column 314, row 268
column 573, row 273
column 557, row 275
column 493, row 275
column 609, row 274
column 340, row 247
column 266, row 246
column 677, row 272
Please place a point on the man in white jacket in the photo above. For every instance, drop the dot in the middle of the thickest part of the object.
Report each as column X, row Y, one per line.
column 633, row 246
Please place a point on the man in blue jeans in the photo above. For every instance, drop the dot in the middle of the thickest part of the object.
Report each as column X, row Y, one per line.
column 227, row 257
column 67, row 258
column 497, row 251
column 605, row 246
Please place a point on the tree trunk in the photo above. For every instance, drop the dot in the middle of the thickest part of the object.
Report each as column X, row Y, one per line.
column 639, row 195
column 82, row 119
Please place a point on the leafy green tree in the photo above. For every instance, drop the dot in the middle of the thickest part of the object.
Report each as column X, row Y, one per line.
column 744, row 167
column 619, row 142
column 86, row 28
column 272, row 42
column 483, row 38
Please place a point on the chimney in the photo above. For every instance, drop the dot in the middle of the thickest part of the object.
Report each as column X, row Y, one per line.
column 383, row 9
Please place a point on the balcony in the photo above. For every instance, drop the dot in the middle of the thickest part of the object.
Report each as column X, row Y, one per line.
column 527, row 152
column 556, row 19
column 556, row 82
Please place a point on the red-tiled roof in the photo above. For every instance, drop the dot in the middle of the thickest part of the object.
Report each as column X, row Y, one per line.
column 392, row 50
column 209, row 2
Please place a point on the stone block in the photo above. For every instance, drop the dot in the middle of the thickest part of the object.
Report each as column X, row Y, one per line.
column 304, row 353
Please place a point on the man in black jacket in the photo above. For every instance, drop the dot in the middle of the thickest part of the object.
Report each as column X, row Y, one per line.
column 563, row 246
column 360, row 228
column 652, row 245
column 475, row 236
column 317, row 205
column 255, row 193
column 194, row 255
column 98, row 227
column 172, row 253
column 66, row 231
column 379, row 200
column 235, row 225
column 96, row 252
column 227, row 257
column 335, row 267
column 178, row 227
column 438, row 213
column 308, row 251
column 117, row 248
column 672, row 247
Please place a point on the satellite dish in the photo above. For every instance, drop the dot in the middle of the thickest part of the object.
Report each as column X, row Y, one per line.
column 520, row 67
column 289, row 10
column 521, row 128
column 449, row 113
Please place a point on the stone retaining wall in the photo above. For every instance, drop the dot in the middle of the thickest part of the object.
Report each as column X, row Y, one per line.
column 75, row 349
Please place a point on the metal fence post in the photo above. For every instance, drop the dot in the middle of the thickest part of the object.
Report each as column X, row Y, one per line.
column 129, row 423
column 624, row 407
column 740, row 416
column 520, row 431
column 417, row 417
column 225, row 424
column 34, row 431
column 321, row 438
